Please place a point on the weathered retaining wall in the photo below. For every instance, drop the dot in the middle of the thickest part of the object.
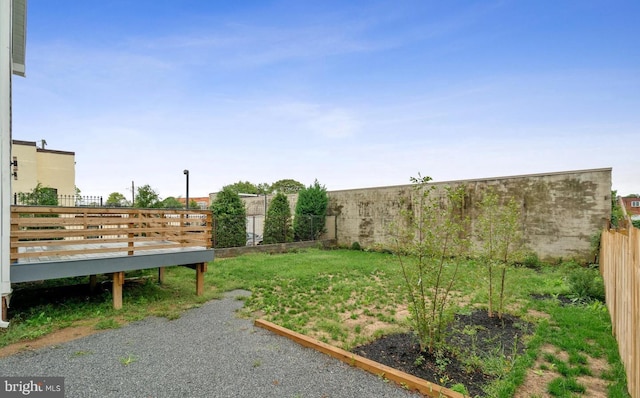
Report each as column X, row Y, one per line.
column 560, row 211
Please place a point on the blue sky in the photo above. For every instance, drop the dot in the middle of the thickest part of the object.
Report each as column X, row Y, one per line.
column 352, row 93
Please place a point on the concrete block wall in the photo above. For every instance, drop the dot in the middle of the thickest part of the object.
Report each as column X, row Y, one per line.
column 561, row 211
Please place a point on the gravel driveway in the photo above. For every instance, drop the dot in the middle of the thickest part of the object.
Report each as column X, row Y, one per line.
column 208, row 352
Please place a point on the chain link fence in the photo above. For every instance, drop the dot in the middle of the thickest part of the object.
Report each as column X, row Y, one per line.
column 249, row 230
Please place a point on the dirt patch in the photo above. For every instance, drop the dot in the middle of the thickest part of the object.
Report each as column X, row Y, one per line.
column 539, row 376
column 54, row 338
column 538, row 314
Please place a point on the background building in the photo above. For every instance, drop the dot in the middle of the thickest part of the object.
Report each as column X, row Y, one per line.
column 51, row 168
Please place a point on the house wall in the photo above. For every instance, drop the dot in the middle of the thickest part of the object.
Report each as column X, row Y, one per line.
column 51, row 168
column 560, row 211
column 632, row 211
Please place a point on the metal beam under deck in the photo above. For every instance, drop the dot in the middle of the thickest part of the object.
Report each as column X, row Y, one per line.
column 27, row 272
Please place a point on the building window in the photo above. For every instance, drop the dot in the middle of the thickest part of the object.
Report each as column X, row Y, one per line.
column 635, row 203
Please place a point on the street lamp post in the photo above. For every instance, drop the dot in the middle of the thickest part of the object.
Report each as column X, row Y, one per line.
column 186, row 172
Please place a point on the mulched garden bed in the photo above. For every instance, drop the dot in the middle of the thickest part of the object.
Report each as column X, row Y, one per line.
column 471, row 339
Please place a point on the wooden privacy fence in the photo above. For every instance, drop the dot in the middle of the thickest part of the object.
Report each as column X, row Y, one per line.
column 54, row 233
column 620, row 268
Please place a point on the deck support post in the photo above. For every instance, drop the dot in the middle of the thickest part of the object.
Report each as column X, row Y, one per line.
column 5, row 309
column 93, row 282
column 201, row 268
column 161, row 275
column 118, row 281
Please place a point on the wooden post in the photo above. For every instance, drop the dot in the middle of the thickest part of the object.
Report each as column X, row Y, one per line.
column 201, row 268
column 118, row 281
column 161, row 275
column 13, row 248
column 130, row 237
column 5, row 310
column 93, row 281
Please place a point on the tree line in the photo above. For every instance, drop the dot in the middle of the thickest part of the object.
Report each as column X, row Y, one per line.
column 229, row 212
column 307, row 223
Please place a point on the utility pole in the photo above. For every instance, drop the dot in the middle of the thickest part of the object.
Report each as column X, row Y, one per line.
column 186, row 172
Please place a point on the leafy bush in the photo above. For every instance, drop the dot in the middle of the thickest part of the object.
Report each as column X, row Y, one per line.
column 356, row 246
column 617, row 213
column 531, row 260
column 39, row 196
column 586, row 284
column 595, row 245
column 311, row 212
column 277, row 225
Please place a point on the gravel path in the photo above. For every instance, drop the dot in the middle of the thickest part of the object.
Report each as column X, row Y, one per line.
column 208, row 352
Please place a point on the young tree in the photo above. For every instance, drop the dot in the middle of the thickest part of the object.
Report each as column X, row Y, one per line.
column 146, row 197
column 230, row 219
column 500, row 236
column 78, row 196
column 311, row 212
column 433, row 230
column 116, row 199
column 277, row 225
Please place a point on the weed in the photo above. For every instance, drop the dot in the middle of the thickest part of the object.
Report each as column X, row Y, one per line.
column 128, row 360
column 563, row 387
column 442, row 361
column 108, row 323
column 459, row 387
column 586, row 284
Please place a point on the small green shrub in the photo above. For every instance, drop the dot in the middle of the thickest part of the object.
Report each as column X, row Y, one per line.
column 531, row 260
column 586, row 284
column 356, row 246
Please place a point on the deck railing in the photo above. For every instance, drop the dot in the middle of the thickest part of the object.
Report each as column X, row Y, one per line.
column 620, row 268
column 41, row 232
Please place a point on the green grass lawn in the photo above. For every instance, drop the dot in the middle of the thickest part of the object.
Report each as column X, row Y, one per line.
column 347, row 298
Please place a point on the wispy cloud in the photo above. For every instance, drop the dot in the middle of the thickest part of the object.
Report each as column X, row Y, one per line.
column 317, row 120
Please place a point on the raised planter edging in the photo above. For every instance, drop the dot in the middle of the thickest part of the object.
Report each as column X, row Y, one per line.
column 405, row 380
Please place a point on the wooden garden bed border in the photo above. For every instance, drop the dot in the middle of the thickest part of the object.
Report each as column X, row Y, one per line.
column 405, row 380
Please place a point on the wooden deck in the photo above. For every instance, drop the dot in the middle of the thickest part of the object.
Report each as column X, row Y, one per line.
column 59, row 242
